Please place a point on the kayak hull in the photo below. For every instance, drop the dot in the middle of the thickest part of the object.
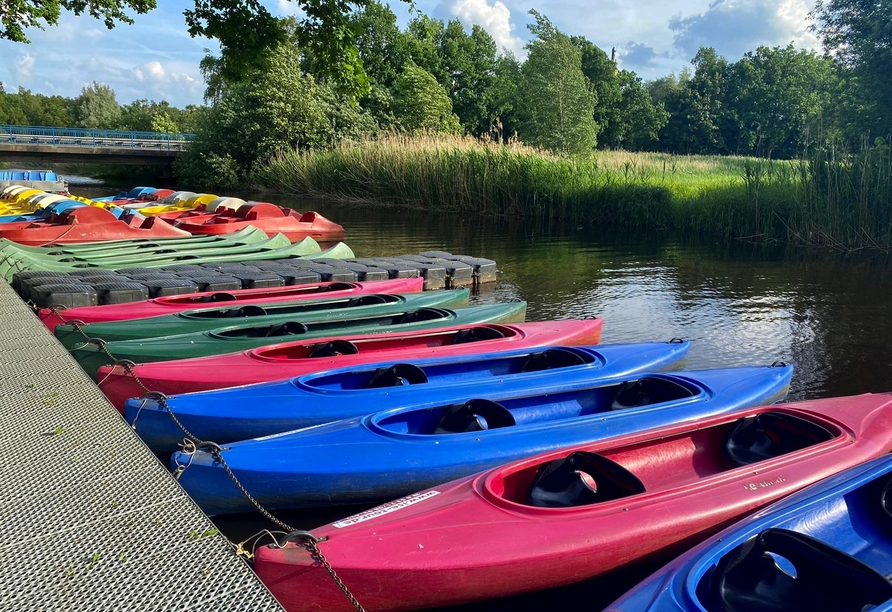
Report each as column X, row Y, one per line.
column 320, row 308
column 396, row 452
column 293, row 359
column 479, row 538
column 249, row 336
column 179, row 303
column 238, row 413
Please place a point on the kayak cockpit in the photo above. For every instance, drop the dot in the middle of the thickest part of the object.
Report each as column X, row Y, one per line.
column 584, row 478
column 371, row 299
column 473, row 368
column 386, row 343
column 648, row 391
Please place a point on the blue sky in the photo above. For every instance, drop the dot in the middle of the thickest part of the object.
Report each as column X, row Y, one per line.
column 157, row 59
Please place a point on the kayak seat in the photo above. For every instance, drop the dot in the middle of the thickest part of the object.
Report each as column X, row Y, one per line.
column 333, row 349
column 475, row 334
column 771, row 434
column 474, row 415
column 580, row 479
column 339, row 287
column 291, row 328
column 397, row 375
column 812, row 576
column 246, row 311
column 551, row 360
column 218, row 297
column 422, row 314
column 647, row 391
column 367, row 300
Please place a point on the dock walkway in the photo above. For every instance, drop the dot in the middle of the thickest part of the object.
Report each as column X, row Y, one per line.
column 91, row 519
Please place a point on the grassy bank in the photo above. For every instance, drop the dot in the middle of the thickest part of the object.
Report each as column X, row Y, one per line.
column 824, row 200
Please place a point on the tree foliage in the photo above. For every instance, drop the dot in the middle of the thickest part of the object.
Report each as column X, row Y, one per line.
column 421, row 104
column 558, row 103
column 97, row 108
column 18, row 15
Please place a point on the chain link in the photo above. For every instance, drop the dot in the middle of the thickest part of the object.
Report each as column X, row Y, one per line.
column 193, row 444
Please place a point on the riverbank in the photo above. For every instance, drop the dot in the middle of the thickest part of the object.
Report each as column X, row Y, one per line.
column 825, row 200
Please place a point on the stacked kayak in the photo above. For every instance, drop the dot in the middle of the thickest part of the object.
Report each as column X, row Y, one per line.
column 289, row 359
column 190, row 301
column 229, row 415
column 14, row 258
column 265, row 216
column 382, row 456
column 567, row 515
column 828, row 547
column 247, row 336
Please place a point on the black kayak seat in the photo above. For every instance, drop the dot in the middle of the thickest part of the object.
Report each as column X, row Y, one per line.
column 781, row 570
column 474, row 415
column 552, row 359
column 246, row 311
column 422, row 314
column 290, row 328
column 475, row 334
column 333, row 349
column 339, row 287
column 647, row 391
column 771, row 434
column 366, row 300
column 397, row 375
column 218, row 297
column 580, row 479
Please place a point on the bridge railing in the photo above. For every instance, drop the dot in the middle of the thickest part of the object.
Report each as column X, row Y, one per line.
column 76, row 137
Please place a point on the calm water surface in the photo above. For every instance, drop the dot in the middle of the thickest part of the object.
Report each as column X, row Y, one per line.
column 739, row 304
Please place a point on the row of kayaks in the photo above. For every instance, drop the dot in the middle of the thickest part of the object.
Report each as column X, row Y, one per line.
column 33, row 217
column 508, row 456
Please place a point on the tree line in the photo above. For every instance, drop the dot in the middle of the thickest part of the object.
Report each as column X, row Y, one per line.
column 95, row 108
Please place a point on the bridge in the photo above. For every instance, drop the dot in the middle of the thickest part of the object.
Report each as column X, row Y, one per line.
column 48, row 145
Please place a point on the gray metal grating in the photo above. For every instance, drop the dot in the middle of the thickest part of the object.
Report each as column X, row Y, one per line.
column 91, row 520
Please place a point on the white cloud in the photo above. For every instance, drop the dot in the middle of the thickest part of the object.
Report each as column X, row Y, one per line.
column 286, row 7
column 734, row 27
column 23, row 67
column 495, row 19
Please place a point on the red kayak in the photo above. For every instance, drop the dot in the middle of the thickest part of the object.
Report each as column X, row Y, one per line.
column 268, row 217
column 86, row 224
column 177, row 303
column 569, row 515
column 303, row 357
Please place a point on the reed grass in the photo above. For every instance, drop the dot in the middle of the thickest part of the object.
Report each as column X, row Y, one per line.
column 828, row 199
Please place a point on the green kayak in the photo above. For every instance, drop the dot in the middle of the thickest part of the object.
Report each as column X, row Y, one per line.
column 10, row 264
column 244, row 337
column 256, row 315
column 245, row 236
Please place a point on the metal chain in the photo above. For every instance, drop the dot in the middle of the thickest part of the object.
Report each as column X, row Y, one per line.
column 308, row 541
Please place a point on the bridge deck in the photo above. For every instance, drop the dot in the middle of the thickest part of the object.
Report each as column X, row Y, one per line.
column 91, row 519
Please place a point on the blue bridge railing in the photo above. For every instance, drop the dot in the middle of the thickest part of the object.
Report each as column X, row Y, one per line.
column 76, row 137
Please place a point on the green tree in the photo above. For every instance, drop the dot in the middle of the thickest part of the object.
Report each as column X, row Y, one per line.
column 859, row 34
column 506, row 97
column 603, row 75
column 18, row 15
column 276, row 109
column 774, row 99
column 97, row 108
column 557, row 105
column 638, row 120
column 421, row 104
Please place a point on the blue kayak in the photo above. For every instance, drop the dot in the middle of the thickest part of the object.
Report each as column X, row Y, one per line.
column 387, row 454
column 827, row 547
column 250, row 411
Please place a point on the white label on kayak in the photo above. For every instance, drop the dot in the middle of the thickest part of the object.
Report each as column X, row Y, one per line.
column 387, row 508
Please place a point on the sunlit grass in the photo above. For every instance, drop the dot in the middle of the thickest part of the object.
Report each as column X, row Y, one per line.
column 824, row 200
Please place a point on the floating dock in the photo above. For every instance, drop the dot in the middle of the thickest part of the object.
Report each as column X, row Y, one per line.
column 91, row 519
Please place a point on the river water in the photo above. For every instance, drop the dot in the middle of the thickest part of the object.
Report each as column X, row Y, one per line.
column 739, row 304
